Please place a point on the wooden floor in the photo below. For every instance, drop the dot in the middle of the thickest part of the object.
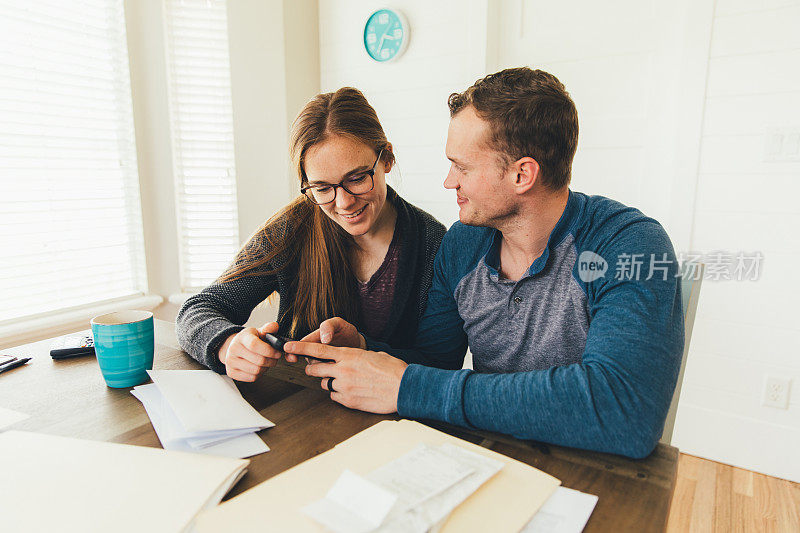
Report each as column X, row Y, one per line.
column 711, row 496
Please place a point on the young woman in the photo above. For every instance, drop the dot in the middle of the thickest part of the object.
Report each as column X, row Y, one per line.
column 348, row 247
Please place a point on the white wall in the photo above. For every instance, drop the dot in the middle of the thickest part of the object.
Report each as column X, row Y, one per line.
column 632, row 68
column 673, row 100
column 274, row 52
column 747, row 202
column 446, row 53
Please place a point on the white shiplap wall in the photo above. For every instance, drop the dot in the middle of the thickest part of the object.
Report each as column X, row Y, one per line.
column 745, row 330
column 446, row 53
column 605, row 61
column 634, row 68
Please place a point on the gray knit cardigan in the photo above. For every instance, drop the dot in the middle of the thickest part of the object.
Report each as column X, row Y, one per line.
column 206, row 319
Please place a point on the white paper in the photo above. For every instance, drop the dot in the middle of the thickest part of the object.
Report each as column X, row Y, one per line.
column 362, row 497
column 566, row 511
column 418, row 475
column 203, row 439
column 9, row 417
column 203, row 401
column 352, row 505
column 429, row 482
column 171, row 427
column 213, row 437
column 171, row 435
column 432, row 512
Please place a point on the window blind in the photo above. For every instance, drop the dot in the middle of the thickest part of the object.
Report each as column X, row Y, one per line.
column 70, row 215
column 202, row 138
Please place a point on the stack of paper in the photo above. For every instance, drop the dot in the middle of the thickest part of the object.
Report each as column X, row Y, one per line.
column 501, row 501
column 202, row 412
column 61, row 484
column 411, row 494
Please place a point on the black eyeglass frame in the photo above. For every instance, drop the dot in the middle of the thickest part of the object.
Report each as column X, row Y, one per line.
column 370, row 173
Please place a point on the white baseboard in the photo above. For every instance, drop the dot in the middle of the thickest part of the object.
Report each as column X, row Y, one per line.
column 764, row 447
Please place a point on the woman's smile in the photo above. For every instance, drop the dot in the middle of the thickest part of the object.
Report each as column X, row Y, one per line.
column 352, row 217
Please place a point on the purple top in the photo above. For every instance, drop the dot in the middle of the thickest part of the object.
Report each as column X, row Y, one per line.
column 376, row 295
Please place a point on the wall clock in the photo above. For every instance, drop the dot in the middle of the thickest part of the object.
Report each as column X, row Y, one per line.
column 386, row 35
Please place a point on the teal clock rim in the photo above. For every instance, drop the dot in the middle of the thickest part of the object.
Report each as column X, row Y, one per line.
column 403, row 23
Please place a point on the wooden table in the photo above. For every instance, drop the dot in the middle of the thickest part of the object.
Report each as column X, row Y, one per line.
column 70, row 398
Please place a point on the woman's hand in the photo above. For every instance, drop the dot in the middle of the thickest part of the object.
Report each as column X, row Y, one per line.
column 246, row 356
column 337, row 332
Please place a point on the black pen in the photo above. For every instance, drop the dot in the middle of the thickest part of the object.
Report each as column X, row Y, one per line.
column 14, row 364
column 277, row 342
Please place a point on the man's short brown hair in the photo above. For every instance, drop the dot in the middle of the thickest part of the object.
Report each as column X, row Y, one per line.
column 530, row 114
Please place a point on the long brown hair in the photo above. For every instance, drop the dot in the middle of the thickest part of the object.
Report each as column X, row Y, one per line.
column 325, row 285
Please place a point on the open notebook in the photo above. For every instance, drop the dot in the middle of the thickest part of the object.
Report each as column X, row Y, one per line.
column 51, row 483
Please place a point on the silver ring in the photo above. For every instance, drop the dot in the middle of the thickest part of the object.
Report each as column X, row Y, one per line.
column 330, row 385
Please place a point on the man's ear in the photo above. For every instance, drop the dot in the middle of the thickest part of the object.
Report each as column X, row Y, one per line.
column 387, row 166
column 527, row 174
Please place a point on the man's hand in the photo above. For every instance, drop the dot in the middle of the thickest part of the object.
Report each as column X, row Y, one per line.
column 369, row 381
column 246, row 356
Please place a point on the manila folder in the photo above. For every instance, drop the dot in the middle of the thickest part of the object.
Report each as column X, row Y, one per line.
column 504, row 503
column 50, row 483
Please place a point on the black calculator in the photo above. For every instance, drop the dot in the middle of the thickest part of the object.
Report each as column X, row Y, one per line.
column 72, row 346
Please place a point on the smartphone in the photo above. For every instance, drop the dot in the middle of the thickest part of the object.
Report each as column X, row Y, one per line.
column 277, row 342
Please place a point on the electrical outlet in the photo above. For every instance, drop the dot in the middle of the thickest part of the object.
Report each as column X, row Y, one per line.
column 776, row 392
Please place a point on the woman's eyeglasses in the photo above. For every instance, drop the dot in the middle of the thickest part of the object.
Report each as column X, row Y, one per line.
column 360, row 183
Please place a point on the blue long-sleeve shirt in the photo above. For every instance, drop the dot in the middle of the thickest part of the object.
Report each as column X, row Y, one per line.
column 584, row 350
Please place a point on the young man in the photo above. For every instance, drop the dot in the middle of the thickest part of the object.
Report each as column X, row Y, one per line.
column 570, row 304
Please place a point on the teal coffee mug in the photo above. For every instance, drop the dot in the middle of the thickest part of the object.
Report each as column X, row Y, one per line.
column 124, row 345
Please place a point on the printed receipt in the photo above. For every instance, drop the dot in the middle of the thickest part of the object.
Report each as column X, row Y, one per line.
column 433, row 511
column 412, row 493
